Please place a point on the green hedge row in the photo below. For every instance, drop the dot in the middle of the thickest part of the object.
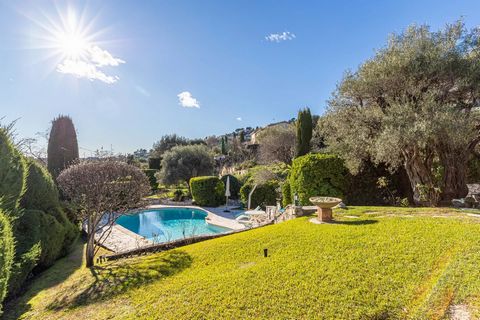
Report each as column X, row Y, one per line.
column 265, row 194
column 318, row 175
column 150, row 173
column 207, row 191
column 40, row 228
column 6, row 255
column 12, row 175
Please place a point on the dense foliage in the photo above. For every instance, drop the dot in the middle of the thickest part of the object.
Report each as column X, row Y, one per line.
column 152, row 179
column 154, row 163
column 182, row 163
column 12, row 175
column 62, row 145
column 265, row 194
column 304, row 127
column 207, row 191
column 98, row 188
column 6, row 255
column 318, row 175
column 277, row 143
column 41, row 192
column 414, row 104
column 235, row 185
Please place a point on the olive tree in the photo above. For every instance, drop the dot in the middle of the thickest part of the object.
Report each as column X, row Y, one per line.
column 182, row 163
column 102, row 190
column 414, row 105
column 277, row 143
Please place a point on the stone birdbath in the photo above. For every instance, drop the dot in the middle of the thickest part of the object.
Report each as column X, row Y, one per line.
column 324, row 207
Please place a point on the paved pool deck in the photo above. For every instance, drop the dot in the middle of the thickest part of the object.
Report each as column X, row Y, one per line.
column 121, row 239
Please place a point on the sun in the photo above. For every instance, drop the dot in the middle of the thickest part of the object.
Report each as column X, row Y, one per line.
column 72, row 45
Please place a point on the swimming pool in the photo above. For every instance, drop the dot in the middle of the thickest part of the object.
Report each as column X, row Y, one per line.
column 168, row 224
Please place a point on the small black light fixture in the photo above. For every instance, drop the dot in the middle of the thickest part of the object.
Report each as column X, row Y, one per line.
column 265, row 253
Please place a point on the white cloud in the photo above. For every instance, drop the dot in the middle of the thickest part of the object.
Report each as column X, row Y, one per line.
column 239, row 118
column 185, row 99
column 82, row 69
column 278, row 37
column 88, row 65
column 101, row 57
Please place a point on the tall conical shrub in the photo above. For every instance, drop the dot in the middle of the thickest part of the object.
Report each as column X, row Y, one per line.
column 12, row 175
column 304, row 132
column 62, row 145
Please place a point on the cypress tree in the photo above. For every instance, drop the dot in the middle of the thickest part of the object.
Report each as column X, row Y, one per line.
column 62, row 145
column 224, row 145
column 304, row 132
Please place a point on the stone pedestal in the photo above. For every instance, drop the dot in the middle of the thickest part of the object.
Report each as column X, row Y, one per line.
column 324, row 214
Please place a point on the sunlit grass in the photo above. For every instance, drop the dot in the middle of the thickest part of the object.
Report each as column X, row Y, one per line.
column 388, row 263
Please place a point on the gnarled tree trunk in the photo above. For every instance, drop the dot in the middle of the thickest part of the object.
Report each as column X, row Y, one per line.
column 419, row 171
column 454, row 184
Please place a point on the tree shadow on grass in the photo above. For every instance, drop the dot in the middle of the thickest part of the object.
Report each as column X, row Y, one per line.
column 354, row 222
column 56, row 274
column 116, row 277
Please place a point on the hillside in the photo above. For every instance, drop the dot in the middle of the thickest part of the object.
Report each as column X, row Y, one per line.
column 374, row 263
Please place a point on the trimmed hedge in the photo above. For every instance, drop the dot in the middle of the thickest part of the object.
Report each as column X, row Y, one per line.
column 12, row 175
column 207, row 191
column 52, row 238
column 318, row 175
column 264, row 195
column 235, row 185
column 6, row 255
column 28, row 236
column 287, row 197
column 41, row 192
column 150, row 173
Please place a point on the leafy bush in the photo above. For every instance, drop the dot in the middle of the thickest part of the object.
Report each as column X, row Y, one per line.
column 235, row 185
column 28, row 236
column 41, row 192
column 286, row 194
column 150, row 173
column 12, row 174
column 52, row 238
column 318, row 175
column 154, row 163
column 207, row 191
column 264, row 194
column 6, row 255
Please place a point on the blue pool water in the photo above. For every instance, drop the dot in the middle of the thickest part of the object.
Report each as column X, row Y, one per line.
column 168, row 224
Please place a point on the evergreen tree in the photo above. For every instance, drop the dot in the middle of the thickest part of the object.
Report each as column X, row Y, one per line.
column 242, row 136
column 62, row 145
column 224, row 145
column 304, row 132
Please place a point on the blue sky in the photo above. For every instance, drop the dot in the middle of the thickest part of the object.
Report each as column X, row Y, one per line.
column 143, row 56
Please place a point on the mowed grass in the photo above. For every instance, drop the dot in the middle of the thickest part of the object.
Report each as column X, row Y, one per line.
column 374, row 263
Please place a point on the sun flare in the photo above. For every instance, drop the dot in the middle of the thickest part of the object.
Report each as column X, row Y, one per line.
column 72, row 45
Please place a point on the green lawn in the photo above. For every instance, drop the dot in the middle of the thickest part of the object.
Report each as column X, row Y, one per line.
column 388, row 263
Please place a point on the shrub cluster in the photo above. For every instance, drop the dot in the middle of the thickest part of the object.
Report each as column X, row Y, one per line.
column 318, row 175
column 207, row 191
column 152, row 179
column 6, row 255
column 264, row 194
column 41, row 230
column 12, row 175
column 235, row 185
